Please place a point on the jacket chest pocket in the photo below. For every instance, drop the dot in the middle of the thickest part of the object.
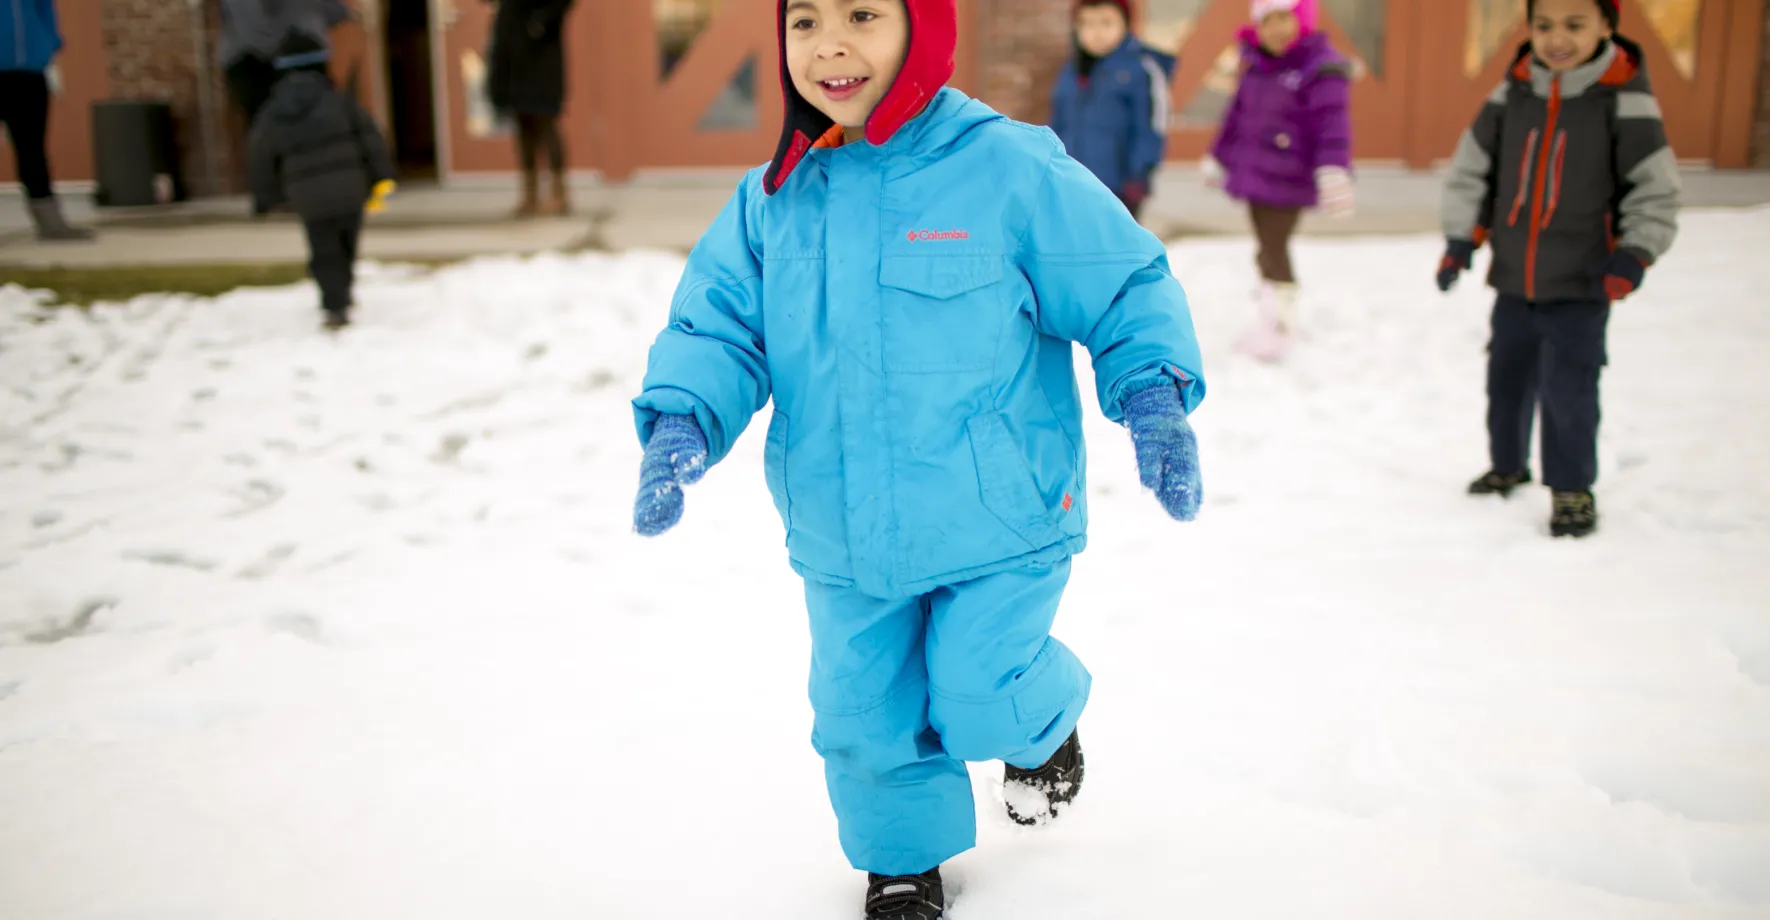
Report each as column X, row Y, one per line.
column 941, row 314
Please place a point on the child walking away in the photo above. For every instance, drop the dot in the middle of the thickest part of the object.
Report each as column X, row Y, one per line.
column 1567, row 175
column 318, row 151
column 1285, row 145
column 913, row 327
column 1110, row 103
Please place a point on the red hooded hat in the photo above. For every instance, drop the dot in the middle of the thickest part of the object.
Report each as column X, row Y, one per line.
column 927, row 65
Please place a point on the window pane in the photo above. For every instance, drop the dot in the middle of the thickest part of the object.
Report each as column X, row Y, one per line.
column 679, row 23
column 734, row 109
column 1675, row 21
column 1207, row 105
column 1490, row 22
column 1367, row 23
column 1168, row 23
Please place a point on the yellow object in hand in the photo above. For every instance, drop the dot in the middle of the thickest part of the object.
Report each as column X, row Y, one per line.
column 378, row 196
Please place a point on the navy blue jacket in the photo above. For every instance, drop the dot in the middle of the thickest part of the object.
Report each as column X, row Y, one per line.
column 1115, row 122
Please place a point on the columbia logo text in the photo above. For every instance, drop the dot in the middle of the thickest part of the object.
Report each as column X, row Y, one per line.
column 923, row 236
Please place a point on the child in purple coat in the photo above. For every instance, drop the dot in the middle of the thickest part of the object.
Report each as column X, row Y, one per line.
column 1285, row 144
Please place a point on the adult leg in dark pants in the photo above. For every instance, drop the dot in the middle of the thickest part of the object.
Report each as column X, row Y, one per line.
column 332, row 248
column 537, row 135
column 24, row 107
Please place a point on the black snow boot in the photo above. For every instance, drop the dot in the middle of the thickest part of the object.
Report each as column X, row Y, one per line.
column 1036, row 796
column 905, row 897
column 1575, row 515
column 1501, row 484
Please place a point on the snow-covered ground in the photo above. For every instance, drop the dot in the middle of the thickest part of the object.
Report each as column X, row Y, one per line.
column 299, row 626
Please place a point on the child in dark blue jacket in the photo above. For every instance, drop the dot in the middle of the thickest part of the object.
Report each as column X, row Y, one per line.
column 1110, row 104
column 315, row 149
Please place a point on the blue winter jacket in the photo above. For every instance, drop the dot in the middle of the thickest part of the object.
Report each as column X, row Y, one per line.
column 29, row 35
column 910, row 309
column 1116, row 121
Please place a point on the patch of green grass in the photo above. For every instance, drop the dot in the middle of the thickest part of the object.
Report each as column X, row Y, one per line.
column 85, row 286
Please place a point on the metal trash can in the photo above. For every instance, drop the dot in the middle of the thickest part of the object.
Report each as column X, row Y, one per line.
column 135, row 154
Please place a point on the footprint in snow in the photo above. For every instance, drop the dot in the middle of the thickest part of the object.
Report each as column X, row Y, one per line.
column 256, row 496
column 76, row 625
column 300, row 625
column 267, row 565
column 172, row 558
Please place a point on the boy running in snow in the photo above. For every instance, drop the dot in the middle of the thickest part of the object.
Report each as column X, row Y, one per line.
column 317, row 150
column 913, row 326
column 1285, row 144
column 1567, row 174
column 1110, row 103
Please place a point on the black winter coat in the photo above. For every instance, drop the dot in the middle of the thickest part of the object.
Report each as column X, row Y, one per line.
column 527, row 69
column 316, row 149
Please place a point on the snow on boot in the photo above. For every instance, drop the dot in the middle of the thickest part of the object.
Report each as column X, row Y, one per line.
column 1270, row 339
column 1575, row 515
column 905, row 897
column 1036, row 796
column 1501, row 484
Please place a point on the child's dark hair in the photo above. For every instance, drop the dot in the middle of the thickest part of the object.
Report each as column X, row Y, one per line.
column 1123, row 6
column 1609, row 8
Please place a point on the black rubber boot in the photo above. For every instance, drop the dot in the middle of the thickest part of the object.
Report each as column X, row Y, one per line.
column 1575, row 515
column 906, row 897
column 1501, row 484
column 1036, row 796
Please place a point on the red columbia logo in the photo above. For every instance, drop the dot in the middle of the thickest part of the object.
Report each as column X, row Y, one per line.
column 923, row 236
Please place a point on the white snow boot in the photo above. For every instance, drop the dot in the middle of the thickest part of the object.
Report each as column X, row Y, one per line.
column 1270, row 339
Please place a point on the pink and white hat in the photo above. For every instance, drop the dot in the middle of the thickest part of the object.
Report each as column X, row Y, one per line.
column 1305, row 10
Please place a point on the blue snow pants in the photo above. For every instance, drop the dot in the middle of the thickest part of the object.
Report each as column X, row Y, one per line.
column 906, row 690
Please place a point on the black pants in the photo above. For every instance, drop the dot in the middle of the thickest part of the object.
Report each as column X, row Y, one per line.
column 331, row 258
column 1552, row 354
column 249, row 81
column 1272, row 230
column 24, row 106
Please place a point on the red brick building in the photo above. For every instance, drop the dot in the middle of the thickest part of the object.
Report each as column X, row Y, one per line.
column 673, row 84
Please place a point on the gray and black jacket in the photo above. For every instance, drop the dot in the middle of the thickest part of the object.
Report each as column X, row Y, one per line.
column 1559, row 171
column 316, row 149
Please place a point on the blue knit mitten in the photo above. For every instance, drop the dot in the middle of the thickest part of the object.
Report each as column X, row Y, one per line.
column 1167, row 450
column 676, row 456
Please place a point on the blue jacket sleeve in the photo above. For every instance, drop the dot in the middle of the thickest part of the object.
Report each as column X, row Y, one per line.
column 1149, row 120
column 710, row 361
column 1102, row 280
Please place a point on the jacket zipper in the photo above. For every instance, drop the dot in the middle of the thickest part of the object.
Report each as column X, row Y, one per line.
column 1524, row 164
column 1536, row 207
column 1555, row 177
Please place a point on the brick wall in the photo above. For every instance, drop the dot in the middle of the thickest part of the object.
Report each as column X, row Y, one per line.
column 152, row 52
column 1022, row 45
column 1761, row 136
